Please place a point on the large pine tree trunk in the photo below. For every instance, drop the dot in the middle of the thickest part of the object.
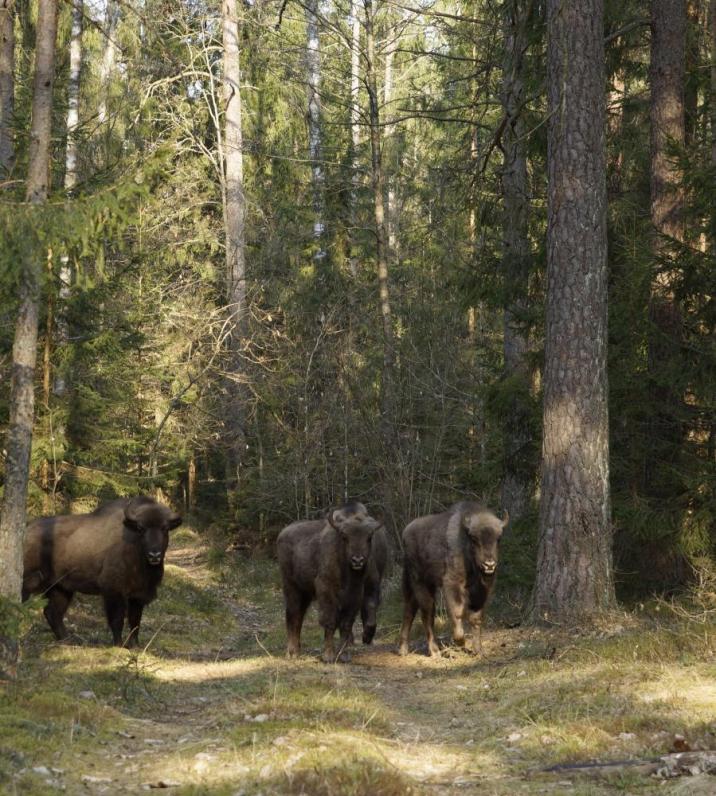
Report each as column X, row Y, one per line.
column 7, row 85
column 235, row 222
column 315, row 153
column 574, row 567
column 24, row 355
column 519, row 476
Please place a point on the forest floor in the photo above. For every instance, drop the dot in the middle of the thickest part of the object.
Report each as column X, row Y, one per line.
column 211, row 706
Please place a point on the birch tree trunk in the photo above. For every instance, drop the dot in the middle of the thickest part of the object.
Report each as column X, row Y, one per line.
column 315, row 149
column 574, row 566
column 519, row 475
column 234, row 221
column 24, row 354
column 7, row 86
column 73, row 96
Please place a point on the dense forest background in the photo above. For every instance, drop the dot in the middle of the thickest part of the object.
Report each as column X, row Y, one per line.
column 372, row 322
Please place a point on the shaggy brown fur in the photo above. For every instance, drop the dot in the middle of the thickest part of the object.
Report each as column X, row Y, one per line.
column 116, row 551
column 328, row 561
column 455, row 551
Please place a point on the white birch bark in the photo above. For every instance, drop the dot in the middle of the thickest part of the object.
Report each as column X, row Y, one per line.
column 234, row 218
column 313, row 68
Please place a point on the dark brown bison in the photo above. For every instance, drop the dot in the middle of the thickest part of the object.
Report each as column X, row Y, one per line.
column 455, row 551
column 116, row 551
column 329, row 561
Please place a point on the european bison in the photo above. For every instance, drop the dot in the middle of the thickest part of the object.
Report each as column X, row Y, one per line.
column 455, row 551
column 116, row 551
column 331, row 561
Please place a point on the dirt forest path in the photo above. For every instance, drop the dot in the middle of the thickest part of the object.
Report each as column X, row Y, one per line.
column 211, row 706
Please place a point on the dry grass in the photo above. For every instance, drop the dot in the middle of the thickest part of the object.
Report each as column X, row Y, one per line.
column 212, row 707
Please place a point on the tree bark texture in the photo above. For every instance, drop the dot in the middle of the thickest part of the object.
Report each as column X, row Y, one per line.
column 7, row 86
column 235, row 221
column 24, row 356
column 519, row 476
column 574, row 567
column 315, row 149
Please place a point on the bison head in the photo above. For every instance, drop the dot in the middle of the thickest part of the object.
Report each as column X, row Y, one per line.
column 355, row 528
column 152, row 522
column 483, row 530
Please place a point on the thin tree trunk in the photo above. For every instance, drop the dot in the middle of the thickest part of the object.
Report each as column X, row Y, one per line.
column 615, row 125
column 389, row 436
column 234, row 220
column 519, row 475
column 24, row 355
column 7, row 86
column 667, row 76
column 712, row 97
column 387, row 98
column 315, row 149
column 574, row 566
column 668, row 45
column 109, row 56
column 355, row 133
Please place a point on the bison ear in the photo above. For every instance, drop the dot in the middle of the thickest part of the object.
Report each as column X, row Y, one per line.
column 505, row 519
column 331, row 518
column 130, row 517
column 174, row 521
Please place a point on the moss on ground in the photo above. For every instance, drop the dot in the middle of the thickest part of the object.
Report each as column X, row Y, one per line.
column 210, row 705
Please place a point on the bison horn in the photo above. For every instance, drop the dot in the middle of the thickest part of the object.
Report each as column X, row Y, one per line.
column 506, row 518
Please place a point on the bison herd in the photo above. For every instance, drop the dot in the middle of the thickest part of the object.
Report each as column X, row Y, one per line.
column 117, row 551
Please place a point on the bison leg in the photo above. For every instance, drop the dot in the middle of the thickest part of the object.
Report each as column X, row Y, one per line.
column 327, row 618
column 115, row 607
column 134, row 617
column 410, row 608
column 474, row 619
column 455, row 607
column 369, row 614
column 296, row 607
column 426, row 603
column 58, row 601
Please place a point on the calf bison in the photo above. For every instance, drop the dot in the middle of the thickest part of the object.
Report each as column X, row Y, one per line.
column 116, row 551
column 339, row 562
column 455, row 551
